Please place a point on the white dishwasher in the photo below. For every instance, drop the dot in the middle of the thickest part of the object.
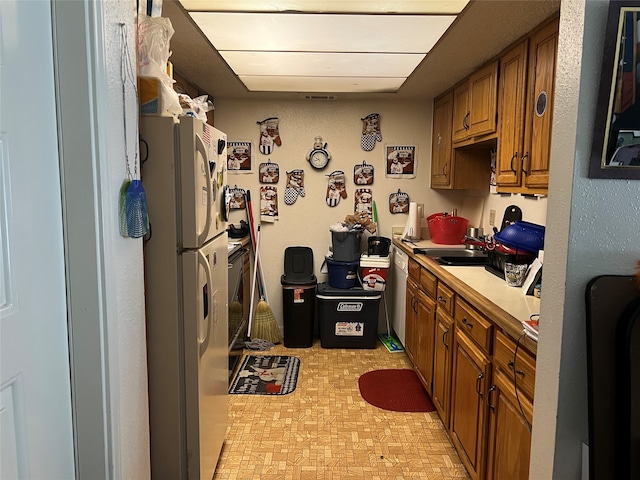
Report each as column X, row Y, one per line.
column 400, row 274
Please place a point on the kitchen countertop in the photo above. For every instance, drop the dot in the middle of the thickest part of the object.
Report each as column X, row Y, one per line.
column 506, row 306
column 236, row 244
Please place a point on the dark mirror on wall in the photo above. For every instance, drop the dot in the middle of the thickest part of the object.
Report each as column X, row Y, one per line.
column 616, row 139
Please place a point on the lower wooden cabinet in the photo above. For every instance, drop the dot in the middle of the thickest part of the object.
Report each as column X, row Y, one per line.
column 509, row 443
column 443, row 348
column 481, row 380
column 469, row 412
column 425, row 330
column 411, row 313
column 510, row 411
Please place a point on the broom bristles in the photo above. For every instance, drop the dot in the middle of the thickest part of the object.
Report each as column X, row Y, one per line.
column 264, row 324
column 235, row 315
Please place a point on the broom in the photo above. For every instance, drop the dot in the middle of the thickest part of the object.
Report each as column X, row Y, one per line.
column 235, row 307
column 264, row 324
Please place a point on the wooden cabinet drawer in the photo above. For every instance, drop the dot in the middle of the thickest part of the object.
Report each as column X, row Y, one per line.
column 414, row 270
column 428, row 283
column 446, row 298
column 522, row 363
column 473, row 324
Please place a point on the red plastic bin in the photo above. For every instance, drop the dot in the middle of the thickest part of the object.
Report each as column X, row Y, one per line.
column 447, row 229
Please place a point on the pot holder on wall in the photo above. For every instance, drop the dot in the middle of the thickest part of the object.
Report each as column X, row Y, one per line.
column 399, row 202
column 363, row 174
column 269, row 172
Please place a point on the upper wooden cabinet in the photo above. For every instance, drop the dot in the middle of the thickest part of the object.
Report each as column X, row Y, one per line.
column 441, row 141
column 525, row 108
column 475, row 104
column 511, row 104
column 467, row 168
column 543, row 49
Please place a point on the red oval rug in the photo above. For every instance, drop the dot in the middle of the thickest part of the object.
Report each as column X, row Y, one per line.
column 398, row 390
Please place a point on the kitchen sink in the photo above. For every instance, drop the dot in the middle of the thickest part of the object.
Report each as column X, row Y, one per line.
column 455, row 256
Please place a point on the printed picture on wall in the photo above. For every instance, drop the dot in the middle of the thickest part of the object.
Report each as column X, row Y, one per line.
column 239, row 157
column 400, row 161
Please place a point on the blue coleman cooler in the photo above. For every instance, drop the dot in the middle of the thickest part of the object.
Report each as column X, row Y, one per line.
column 347, row 318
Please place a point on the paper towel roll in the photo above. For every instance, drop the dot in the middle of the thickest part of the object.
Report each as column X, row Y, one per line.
column 412, row 228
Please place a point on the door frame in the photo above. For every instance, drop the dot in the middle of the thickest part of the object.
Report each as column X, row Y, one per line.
column 81, row 102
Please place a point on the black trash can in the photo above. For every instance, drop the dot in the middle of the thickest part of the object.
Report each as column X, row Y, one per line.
column 298, row 297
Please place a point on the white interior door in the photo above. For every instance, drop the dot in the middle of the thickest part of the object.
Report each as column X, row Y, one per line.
column 35, row 412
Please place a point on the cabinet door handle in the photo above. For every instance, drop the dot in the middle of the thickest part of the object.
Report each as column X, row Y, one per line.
column 478, row 384
column 524, row 157
column 414, row 301
column 444, row 169
column 465, row 123
column 467, row 322
column 512, row 366
column 491, row 390
column 444, row 338
column 515, row 157
column 442, row 300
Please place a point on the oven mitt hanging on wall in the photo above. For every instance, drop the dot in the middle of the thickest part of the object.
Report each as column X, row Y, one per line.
column 370, row 131
column 336, row 188
column 295, row 186
column 269, row 135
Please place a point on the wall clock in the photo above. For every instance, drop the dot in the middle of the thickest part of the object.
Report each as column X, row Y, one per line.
column 318, row 156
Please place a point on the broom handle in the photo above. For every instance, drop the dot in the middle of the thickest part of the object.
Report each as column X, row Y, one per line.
column 253, row 285
column 262, row 286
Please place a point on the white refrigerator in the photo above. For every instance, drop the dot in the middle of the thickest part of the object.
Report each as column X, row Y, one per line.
column 184, row 175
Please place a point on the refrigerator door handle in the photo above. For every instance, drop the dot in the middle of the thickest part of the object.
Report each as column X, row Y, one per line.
column 203, row 340
column 200, row 147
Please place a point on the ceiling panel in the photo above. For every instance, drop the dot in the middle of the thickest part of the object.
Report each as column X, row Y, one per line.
column 326, row 33
column 322, row 84
column 322, row 64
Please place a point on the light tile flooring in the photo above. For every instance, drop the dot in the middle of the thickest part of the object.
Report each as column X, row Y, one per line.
column 325, row 430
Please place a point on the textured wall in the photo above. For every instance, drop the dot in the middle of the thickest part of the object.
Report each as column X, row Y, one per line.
column 593, row 225
column 124, row 273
